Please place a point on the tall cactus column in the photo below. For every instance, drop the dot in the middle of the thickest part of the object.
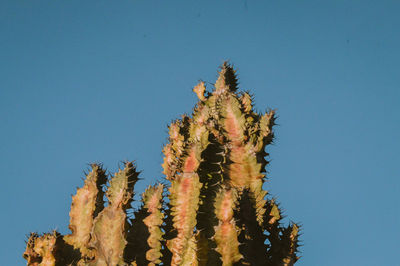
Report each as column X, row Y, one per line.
column 222, row 144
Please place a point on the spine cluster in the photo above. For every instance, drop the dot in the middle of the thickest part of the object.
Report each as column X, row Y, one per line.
column 213, row 212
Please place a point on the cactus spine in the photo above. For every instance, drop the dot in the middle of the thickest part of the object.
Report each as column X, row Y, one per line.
column 216, row 211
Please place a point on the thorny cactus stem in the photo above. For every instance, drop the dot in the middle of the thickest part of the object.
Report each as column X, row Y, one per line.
column 86, row 205
column 108, row 236
column 152, row 199
column 216, row 211
column 226, row 232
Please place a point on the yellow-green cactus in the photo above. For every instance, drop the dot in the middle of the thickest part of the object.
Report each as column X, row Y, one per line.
column 213, row 212
column 86, row 205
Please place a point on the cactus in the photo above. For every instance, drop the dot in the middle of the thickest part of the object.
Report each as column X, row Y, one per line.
column 214, row 211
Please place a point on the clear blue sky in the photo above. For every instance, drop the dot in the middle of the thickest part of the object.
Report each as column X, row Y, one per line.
column 98, row 81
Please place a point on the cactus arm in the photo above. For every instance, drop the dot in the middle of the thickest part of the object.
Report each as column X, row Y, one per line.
column 49, row 249
column 109, row 232
column 170, row 162
column 184, row 201
column 185, row 187
column 86, row 204
column 152, row 199
column 46, row 247
column 173, row 150
column 226, row 232
column 265, row 135
column 30, row 255
column 290, row 241
column 227, row 80
column 190, row 256
column 272, row 219
column 185, row 137
column 120, row 192
column 283, row 241
column 262, row 138
column 245, row 168
column 284, row 245
column 233, row 120
column 41, row 250
column 199, row 89
column 108, row 236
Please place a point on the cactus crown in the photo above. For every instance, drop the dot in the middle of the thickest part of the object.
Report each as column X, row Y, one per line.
column 217, row 212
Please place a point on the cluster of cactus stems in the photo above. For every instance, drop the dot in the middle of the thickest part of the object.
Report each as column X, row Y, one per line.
column 214, row 210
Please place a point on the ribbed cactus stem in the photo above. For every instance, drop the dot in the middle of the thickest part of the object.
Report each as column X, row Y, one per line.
column 291, row 236
column 226, row 81
column 48, row 250
column 265, row 134
column 109, row 232
column 244, row 168
column 41, row 250
column 184, row 199
column 233, row 119
column 86, row 204
column 190, row 256
column 170, row 163
column 226, row 233
column 32, row 257
column 152, row 199
column 192, row 160
column 176, row 138
column 257, row 195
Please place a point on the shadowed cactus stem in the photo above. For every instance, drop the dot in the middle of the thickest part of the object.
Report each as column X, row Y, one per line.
column 213, row 211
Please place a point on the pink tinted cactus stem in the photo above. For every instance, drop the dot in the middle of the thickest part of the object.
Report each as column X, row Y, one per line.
column 226, row 233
